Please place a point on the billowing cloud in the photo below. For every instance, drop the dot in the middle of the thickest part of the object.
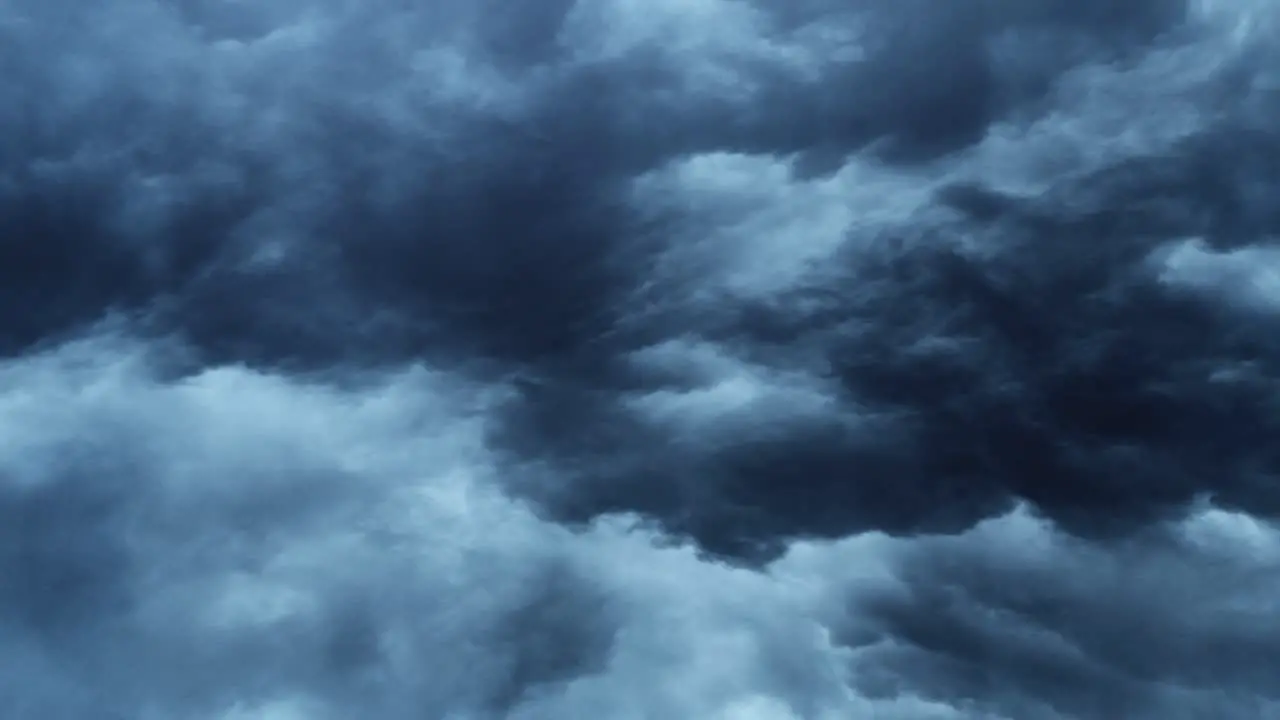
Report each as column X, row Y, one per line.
column 1024, row 622
column 606, row 358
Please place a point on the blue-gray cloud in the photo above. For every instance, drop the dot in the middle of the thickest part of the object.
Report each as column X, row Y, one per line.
column 621, row 359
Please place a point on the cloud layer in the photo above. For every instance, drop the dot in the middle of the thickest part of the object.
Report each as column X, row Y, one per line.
column 618, row 359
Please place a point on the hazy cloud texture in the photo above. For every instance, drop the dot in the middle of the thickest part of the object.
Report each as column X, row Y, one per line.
column 639, row 359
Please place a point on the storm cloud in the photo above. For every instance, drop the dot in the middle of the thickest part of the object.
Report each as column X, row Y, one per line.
column 665, row 359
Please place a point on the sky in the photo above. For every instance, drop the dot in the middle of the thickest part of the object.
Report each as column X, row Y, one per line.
column 639, row 359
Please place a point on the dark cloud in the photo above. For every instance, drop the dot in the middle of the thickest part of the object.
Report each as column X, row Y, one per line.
column 387, row 357
column 1157, row 627
column 62, row 559
column 1019, row 347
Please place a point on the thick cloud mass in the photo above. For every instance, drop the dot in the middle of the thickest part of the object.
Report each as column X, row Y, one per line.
column 615, row 359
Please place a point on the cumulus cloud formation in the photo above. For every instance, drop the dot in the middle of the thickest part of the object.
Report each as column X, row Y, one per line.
column 618, row 359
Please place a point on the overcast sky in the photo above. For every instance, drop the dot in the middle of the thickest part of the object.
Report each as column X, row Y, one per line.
column 639, row 359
